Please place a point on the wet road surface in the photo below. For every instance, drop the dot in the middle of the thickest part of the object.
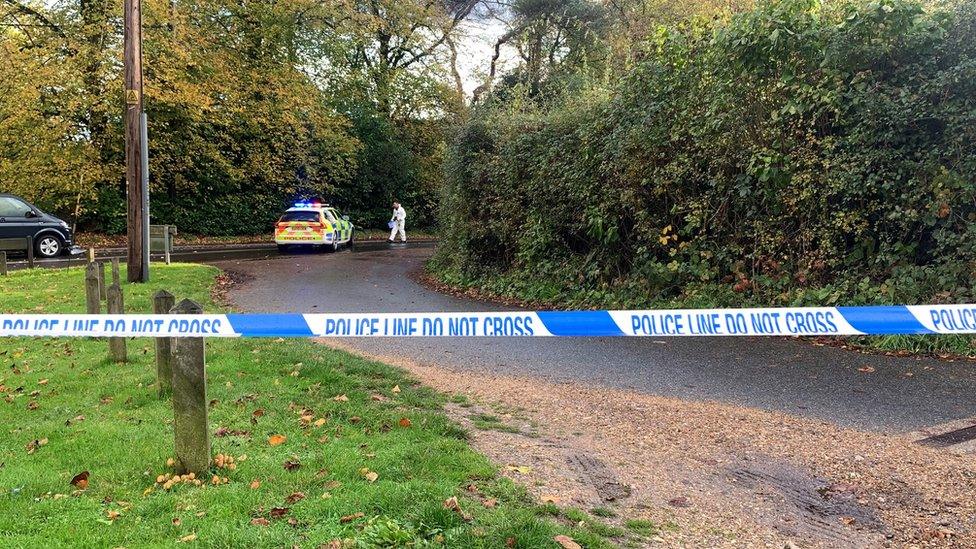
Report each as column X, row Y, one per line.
column 796, row 377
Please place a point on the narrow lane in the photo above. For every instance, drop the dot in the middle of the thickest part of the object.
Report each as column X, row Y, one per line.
column 901, row 394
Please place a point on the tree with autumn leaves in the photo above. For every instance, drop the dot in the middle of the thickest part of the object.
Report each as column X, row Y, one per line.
column 250, row 106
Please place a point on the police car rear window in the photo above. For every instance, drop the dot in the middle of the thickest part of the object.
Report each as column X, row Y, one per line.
column 300, row 216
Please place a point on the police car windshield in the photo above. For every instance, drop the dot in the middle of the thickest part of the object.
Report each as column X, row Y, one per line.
column 300, row 216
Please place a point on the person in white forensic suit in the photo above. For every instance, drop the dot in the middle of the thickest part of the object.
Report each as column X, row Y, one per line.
column 398, row 220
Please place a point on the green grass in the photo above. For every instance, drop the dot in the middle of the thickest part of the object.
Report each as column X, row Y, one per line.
column 488, row 422
column 642, row 527
column 126, row 437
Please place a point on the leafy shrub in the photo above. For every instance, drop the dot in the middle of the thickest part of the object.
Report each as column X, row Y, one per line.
column 801, row 152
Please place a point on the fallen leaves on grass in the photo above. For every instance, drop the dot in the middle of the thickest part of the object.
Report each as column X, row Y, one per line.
column 80, row 481
column 349, row 518
column 866, row 369
column 225, row 432
column 33, row 445
column 319, row 422
column 549, row 499
column 489, row 503
column 395, row 390
column 294, row 498
column 278, row 512
column 276, row 440
column 75, row 419
column 255, row 484
column 523, row 469
column 112, row 514
column 452, row 504
column 405, row 422
column 341, row 398
column 188, row 538
column 292, row 464
column 566, row 542
column 371, row 476
column 260, row 521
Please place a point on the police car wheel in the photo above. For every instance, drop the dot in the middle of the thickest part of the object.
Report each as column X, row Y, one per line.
column 282, row 248
column 334, row 247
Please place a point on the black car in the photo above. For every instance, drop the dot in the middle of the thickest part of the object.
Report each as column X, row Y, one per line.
column 20, row 219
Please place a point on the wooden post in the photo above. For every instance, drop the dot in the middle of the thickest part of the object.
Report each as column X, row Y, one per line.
column 3, row 263
column 30, row 252
column 116, row 345
column 163, row 302
column 102, row 287
column 136, row 222
column 115, row 271
column 91, row 255
column 166, row 243
column 190, row 398
column 93, row 304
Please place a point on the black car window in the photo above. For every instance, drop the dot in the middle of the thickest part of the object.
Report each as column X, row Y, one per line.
column 330, row 215
column 11, row 207
column 312, row 217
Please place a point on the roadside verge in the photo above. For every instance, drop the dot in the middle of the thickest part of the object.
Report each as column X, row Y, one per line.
column 708, row 474
column 312, row 447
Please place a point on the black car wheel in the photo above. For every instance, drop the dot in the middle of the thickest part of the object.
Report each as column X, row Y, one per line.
column 334, row 247
column 282, row 248
column 49, row 246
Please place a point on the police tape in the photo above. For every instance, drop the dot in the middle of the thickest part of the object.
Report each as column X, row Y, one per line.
column 787, row 321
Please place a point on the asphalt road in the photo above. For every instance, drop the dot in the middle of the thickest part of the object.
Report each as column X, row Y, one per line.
column 796, row 377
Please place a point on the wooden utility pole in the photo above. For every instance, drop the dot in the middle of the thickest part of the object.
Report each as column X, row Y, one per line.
column 136, row 221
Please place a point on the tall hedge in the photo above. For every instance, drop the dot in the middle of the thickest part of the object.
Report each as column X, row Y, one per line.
column 799, row 152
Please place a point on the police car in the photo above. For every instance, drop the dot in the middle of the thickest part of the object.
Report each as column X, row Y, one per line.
column 313, row 224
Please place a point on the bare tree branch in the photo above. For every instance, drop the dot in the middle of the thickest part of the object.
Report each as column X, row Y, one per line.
column 36, row 15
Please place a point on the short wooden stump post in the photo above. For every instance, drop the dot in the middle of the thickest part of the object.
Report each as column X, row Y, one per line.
column 190, row 398
column 102, row 286
column 115, row 305
column 163, row 302
column 93, row 304
column 116, row 279
column 3, row 263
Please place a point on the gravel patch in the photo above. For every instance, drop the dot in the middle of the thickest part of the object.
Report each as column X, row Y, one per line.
column 711, row 474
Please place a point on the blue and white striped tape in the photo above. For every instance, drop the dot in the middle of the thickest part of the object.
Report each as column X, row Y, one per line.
column 787, row 321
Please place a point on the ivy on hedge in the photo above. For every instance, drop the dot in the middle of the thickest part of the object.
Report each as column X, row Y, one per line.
column 799, row 152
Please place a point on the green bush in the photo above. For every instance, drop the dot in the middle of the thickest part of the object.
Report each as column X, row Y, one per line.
column 799, row 153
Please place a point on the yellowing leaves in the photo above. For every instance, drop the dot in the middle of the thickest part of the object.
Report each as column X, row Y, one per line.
column 277, row 440
column 566, row 542
column 370, row 476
